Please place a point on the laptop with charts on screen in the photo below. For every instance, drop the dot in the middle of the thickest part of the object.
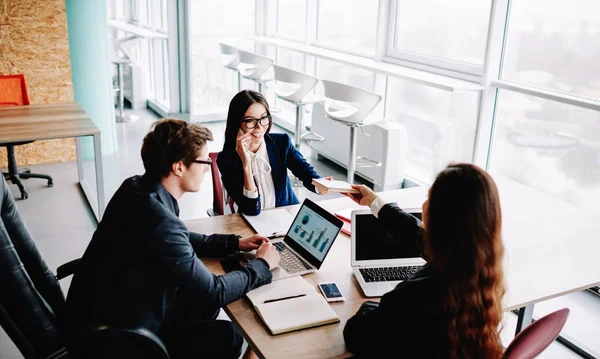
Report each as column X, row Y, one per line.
column 307, row 241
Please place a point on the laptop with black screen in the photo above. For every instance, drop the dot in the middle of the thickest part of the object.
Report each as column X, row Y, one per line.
column 380, row 261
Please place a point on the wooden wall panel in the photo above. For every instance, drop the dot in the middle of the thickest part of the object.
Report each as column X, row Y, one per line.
column 34, row 41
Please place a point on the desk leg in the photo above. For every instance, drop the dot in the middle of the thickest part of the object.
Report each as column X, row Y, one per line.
column 99, row 175
column 79, row 151
column 525, row 317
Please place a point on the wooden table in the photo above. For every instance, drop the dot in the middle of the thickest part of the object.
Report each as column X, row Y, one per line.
column 52, row 121
column 549, row 251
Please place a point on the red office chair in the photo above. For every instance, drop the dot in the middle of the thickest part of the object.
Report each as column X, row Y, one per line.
column 535, row 338
column 218, row 203
column 13, row 92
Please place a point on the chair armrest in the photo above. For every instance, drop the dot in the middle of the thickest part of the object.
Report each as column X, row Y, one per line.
column 67, row 269
column 133, row 342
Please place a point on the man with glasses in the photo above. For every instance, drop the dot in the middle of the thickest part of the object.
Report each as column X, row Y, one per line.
column 142, row 269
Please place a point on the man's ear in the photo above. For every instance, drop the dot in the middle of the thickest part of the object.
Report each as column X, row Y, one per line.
column 177, row 168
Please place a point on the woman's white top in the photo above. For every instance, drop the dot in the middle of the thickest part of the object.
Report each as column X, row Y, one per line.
column 261, row 170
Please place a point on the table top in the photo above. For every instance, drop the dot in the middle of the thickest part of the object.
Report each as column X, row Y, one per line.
column 44, row 122
column 549, row 251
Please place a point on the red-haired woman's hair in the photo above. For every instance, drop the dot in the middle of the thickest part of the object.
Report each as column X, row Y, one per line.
column 462, row 222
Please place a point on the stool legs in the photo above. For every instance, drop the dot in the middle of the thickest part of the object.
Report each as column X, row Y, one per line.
column 298, row 134
column 121, row 95
column 352, row 159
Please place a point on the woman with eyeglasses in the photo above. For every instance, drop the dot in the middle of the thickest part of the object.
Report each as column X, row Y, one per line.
column 254, row 162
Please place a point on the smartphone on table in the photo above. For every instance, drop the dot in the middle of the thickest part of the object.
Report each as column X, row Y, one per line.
column 331, row 292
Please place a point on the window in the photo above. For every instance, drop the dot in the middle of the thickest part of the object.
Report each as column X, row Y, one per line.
column 554, row 45
column 549, row 146
column 349, row 75
column 212, row 21
column 440, row 126
column 160, row 61
column 447, row 31
column 291, row 19
column 354, row 31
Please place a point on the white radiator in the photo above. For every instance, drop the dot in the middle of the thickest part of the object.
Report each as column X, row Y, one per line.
column 134, row 85
column 384, row 142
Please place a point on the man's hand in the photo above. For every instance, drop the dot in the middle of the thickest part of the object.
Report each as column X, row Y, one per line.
column 251, row 243
column 364, row 198
column 268, row 252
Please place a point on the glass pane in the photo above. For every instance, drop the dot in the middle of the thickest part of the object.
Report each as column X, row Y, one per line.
column 291, row 59
column 549, row 146
column 291, row 19
column 554, row 45
column 440, row 125
column 349, row 75
column 212, row 85
column 167, row 91
column 338, row 26
column 445, row 29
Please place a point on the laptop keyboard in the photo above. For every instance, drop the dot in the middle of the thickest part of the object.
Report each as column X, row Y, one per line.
column 289, row 261
column 388, row 274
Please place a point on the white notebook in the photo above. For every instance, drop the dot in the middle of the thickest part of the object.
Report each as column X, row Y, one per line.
column 291, row 304
column 271, row 222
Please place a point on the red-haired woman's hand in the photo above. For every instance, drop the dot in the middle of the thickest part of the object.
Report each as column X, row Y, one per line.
column 364, row 198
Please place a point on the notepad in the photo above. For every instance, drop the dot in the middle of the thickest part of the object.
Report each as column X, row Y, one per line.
column 291, row 304
column 270, row 222
column 346, row 216
column 334, row 186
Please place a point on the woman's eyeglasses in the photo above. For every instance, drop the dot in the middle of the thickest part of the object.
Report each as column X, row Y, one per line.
column 252, row 122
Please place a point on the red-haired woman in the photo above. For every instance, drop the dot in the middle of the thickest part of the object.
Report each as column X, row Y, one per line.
column 452, row 307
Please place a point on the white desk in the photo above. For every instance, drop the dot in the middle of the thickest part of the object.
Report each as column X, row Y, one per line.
column 388, row 69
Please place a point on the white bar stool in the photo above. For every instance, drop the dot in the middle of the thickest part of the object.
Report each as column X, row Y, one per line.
column 294, row 87
column 231, row 60
column 120, row 58
column 351, row 106
column 253, row 67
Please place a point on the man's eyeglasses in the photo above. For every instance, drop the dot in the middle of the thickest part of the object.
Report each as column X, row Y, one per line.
column 252, row 122
column 207, row 162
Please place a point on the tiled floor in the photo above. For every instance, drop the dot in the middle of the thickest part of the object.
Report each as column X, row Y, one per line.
column 62, row 225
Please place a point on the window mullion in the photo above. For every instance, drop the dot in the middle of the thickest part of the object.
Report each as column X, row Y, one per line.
column 497, row 29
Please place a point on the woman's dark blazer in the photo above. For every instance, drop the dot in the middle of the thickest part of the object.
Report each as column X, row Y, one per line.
column 409, row 321
column 282, row 155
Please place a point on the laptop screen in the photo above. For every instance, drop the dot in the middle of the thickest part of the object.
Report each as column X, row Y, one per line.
column 373, row 241
column 313, row 232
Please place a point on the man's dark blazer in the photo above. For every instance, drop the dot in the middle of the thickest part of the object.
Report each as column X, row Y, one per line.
column 282, row 155
column 142, row 256
column 409, row 321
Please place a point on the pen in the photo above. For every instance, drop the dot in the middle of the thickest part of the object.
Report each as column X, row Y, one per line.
column 275, row 235
column 284, row 298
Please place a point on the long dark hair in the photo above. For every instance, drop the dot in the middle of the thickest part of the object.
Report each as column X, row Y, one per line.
column 237, row 108
column 462, row 223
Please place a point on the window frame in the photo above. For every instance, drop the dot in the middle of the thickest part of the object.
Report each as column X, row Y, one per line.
column 431, row 63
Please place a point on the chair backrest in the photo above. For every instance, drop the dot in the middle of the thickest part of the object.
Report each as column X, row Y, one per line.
column 105, row 342
column 31, row 301
column 218, row 197
column 347, row 103
column 303, row 83
column 13, row 90
column 258, row 64
column 535, row 338
column 231, row 57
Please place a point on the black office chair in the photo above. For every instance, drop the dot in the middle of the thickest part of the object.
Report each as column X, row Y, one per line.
column 32, row 303
column 13, row 92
